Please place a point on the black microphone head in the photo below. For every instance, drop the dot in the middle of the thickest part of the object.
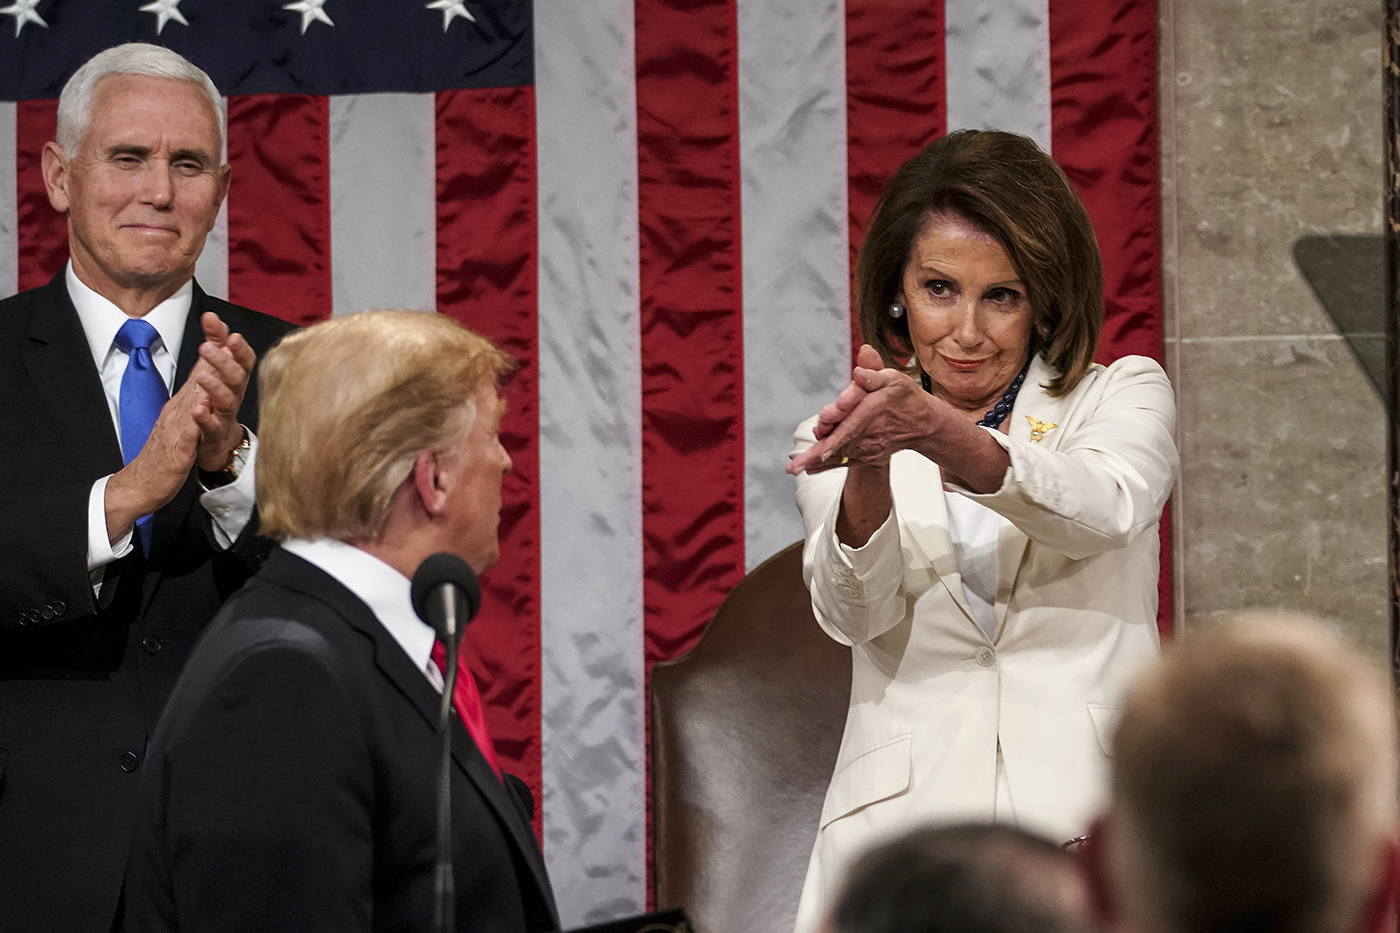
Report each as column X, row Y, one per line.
column 445, row 569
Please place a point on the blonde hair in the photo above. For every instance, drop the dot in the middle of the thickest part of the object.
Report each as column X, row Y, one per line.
column 1254, row 778
column 346, row 407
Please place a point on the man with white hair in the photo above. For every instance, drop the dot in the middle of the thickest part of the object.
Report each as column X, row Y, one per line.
column 1254, row 789
column 127, row 419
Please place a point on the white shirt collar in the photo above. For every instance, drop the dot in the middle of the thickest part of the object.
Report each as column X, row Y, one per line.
column 101, row 319
column 380, row 587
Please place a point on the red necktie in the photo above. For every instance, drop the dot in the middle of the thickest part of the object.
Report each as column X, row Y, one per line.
column 468, row 703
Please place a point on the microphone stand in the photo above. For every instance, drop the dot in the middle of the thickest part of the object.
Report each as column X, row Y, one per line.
column 444, row 895
column 445, row 594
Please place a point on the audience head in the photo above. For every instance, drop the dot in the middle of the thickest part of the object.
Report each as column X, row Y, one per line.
column 1005, row 186
column 1254, row 788
column 969, row 878
column 367, row 413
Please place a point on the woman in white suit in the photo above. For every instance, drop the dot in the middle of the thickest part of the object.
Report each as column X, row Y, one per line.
column 981, row 521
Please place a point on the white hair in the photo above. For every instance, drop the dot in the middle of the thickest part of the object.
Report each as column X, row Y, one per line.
column 133, row 58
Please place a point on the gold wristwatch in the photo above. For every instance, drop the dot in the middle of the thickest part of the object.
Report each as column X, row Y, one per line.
column 213, row 479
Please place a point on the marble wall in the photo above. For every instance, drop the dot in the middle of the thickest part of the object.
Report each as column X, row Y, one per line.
column 1271, row 116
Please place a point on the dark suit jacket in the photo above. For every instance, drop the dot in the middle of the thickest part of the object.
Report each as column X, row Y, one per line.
column 291, row 783
column 83, row 679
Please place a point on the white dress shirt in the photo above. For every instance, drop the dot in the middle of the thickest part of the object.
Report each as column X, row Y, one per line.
column 974, row 530
column 230, row 506
column 383, row 589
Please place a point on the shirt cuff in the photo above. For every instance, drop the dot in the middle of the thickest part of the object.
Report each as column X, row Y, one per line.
column 102, row 550
column 230, row 507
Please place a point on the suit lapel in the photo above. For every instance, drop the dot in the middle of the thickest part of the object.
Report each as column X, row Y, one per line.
column 193, row 337
column 395, row 666
column 502, row 800
column 59, row 362
column 1033, row 402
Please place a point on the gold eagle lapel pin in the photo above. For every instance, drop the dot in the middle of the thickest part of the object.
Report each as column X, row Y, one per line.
column 1040, row 428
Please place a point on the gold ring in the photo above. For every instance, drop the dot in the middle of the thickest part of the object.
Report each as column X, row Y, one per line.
column 845, row 460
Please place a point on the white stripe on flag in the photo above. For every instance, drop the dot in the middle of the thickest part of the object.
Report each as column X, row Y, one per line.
column 593, row 730
column 998, row 66
column 9, row 202
column 797, row 346
column 211, row 269
column 383, row 188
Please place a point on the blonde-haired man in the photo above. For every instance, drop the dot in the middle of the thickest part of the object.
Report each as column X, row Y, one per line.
column 1254, row 789
column 291, row 776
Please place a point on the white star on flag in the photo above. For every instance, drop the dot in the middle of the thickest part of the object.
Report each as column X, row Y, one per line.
column 310, row 10
column 23, row 12
column 450, row 10
column 165, row 11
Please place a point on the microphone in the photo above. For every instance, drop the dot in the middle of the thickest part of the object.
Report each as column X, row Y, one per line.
column 447, row 596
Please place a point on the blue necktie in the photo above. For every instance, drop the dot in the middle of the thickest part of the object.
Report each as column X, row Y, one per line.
column 142, row 397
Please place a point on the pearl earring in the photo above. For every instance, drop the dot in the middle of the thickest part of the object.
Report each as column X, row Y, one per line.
column 896, row 310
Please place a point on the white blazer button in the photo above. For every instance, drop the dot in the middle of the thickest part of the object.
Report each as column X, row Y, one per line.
column 986, row 656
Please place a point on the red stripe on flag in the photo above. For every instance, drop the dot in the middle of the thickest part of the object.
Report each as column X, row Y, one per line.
column 1103, row 87
column 41, row 231
column 279, row 221
column 691, row 324
column 1165, row 622
column 486, row 278
column 895, row 100
column 1103, row 109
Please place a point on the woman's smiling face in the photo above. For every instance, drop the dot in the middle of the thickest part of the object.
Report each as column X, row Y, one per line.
column 970, row 315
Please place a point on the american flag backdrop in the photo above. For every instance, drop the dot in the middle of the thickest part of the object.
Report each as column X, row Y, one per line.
column 654, row 205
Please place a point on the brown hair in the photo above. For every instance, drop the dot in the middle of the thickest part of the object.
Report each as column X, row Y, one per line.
column 346, row 407
column 1253, row 782
column 964, row 878
column 1004, row 185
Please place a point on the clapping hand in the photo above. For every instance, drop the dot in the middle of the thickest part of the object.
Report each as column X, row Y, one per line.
column 881, row 411
column 225, row 364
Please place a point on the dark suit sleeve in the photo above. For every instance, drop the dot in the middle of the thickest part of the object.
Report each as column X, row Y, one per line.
column 43, row 558
column 522, row 793
column 268, row 802
column 43, row 529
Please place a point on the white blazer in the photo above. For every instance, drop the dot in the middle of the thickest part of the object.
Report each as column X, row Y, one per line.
column 1076, row 607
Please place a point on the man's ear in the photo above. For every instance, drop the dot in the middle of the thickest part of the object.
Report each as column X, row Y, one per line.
column 428, row 481
column 1091, row 869
column 54, row 165
column 1380, row 910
